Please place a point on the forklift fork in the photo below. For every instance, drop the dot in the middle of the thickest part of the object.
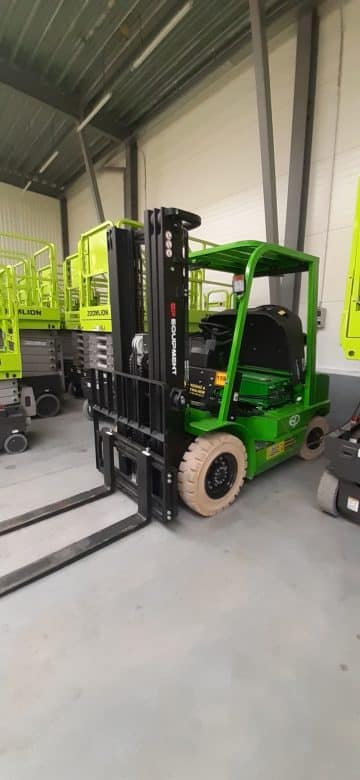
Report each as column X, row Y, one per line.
column 88, row 544
column 148, row 412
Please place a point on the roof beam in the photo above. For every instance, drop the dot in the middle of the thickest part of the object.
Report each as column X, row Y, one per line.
column 19, row 179
column 30, row 84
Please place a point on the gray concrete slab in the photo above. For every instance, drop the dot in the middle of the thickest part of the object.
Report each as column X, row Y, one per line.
column 222, row 648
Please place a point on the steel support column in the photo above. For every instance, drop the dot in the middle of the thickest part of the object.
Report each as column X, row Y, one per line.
column 92, row 178
column 263, row 98
column 64, row 227
column 131, row 205
column 300, row 152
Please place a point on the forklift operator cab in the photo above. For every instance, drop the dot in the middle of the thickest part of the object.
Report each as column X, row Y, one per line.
column 271, row 359
column 255, row 398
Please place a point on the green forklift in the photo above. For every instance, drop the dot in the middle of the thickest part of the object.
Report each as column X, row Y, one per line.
column 192, row 414
column 255, row 398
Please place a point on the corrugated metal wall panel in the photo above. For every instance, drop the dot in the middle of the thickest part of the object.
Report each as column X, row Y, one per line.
column 30, row 214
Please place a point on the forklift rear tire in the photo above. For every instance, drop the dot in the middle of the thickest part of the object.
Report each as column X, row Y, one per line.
column 15, row 443
column 314, row 442
column 328, row 493
column 212, row 472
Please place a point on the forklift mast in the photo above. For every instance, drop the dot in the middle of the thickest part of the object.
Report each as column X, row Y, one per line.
column 148, row 410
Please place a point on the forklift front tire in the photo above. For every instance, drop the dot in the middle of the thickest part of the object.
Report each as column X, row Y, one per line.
column 15, row 443
column 212, row 472
column 314, row 440
column 327, row 493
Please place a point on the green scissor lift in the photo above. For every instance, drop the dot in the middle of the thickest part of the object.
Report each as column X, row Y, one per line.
column 13, row 423
column 37, row 302
column 350, row 322
column 87, row 310
column 86, row 283
column 10, row 355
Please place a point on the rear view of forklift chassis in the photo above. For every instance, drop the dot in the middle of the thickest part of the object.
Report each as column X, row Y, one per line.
column 161, row 439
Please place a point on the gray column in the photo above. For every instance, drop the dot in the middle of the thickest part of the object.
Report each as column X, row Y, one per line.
column 263, row 98
column 300, row 152
column 131, row 204
column 64, row 226
column 92, row 178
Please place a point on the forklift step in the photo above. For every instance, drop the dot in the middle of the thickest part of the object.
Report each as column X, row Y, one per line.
column 69, row 554
column 51, row 510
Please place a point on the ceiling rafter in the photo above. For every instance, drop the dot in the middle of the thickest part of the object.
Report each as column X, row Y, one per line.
column 19, row 179
column 29, row 83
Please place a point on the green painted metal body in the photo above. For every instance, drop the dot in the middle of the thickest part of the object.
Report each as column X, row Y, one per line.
column 95, row 310
column 10, row 355
column 274, row 434
column 350, row 321
column 71, row 286
column 36, row 282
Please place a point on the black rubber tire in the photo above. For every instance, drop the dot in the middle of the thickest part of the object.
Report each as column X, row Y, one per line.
column 312, row 451
column 195, row 465
column 47, row 405
column 87, row 410
column 327, row 493
column 15, row 443
column 75, row 390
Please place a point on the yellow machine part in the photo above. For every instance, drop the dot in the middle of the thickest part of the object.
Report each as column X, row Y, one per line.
column 350, row 321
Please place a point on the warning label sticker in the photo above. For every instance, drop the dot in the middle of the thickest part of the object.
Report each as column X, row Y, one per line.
column 274, row 450
column 352, row 504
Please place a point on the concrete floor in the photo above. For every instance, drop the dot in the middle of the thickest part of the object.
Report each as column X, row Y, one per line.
column 224, row 648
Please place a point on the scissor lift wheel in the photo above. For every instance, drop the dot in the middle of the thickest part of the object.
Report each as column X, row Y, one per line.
column 47, row 405
column 15, row 443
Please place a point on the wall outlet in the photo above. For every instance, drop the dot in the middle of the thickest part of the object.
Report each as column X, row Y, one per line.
column 321, row 317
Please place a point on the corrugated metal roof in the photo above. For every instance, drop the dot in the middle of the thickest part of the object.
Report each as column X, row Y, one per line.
column 71, row 53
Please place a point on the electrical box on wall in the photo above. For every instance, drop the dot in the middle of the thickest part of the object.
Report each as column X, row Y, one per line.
column 320, row 317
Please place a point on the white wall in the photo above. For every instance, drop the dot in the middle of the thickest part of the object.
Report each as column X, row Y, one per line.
column 33, row 215
column 203, row 155
column 81, row 209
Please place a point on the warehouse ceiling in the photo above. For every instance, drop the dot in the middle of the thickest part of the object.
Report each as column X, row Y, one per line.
column 59, row 58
